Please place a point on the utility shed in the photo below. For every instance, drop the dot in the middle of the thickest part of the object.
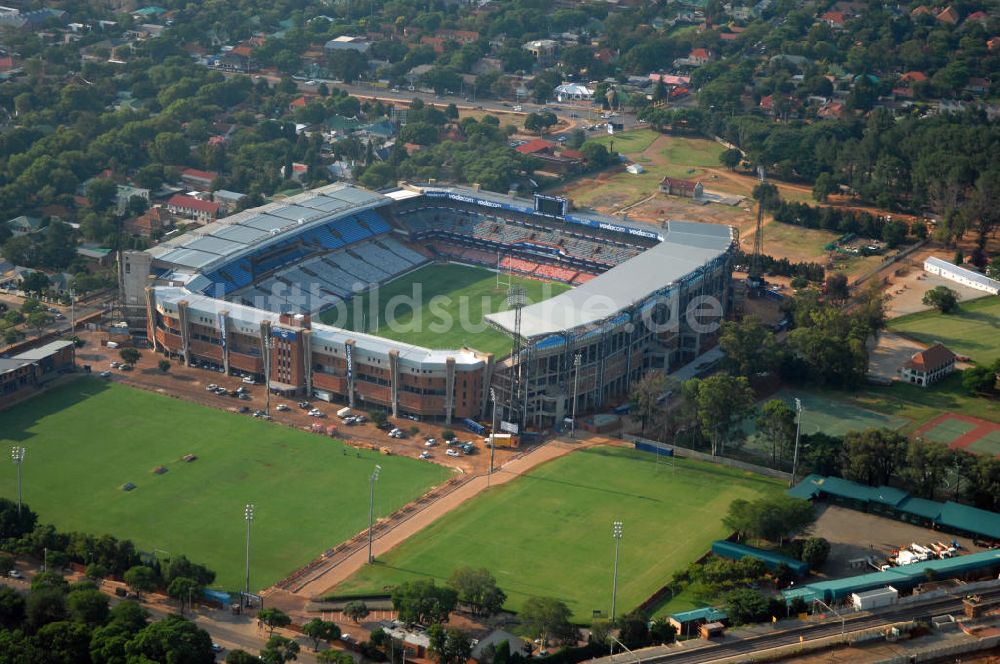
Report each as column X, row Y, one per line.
column 875, row 599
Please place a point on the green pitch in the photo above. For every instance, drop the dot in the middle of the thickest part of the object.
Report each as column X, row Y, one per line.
column 548, row 533
column 87, row 438
column 974, row 330
column 439, row 306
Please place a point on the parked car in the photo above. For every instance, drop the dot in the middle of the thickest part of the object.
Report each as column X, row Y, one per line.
column 212, row 387
column 15, row 574
column 453, row 453
column 249, row 380
column 244, row 410
column 282, row 407
column 430, row 443
column 244, row 396
column 105, row 374
column 425, row 455
column 304, row 404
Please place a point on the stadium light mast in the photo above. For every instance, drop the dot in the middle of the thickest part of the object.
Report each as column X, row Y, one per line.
column 517, row 297
column 493, row 435
column 248, row 514
column 371, row 508
column 577, row 358
column 616, row 533
column 17, row 456
column 268, row 346
column 798, row 430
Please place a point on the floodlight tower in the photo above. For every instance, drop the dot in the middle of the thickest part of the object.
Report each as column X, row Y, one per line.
column 371, row 508
column 756, row 277
column 517, row 297
column 17, row 456
column 248, row 515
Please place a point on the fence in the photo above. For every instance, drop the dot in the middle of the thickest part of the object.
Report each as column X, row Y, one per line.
column 722, row 461
column 948, row 651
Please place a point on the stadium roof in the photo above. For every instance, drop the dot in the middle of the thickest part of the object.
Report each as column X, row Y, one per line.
column 249, row 319
column 239, row 233
column 687, row 246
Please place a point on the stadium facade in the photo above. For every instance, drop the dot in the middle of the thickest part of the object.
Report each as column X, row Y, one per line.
column 245, row 290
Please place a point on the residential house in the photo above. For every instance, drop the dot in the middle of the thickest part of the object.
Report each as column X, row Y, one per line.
column 483, row 653
column 543, row 50
column 193, row 208
column 700, row 56
column 198, row 179
column 347, row 43
column 831, row 110
column 30, row 21
column 978, row 86
column 460, row 36
column 835, row 20
column 683, row 188
column 552, row 161
column 993, row 43
column 298, row 102
column 978, row 17
column 537, row 147
column 922, row 10
column 150, row 223
column 948, row 15
column 24, row 225
column 573, row 91
column 125, row 194
column 928, row 366
column 95, row 254
column 227, row 200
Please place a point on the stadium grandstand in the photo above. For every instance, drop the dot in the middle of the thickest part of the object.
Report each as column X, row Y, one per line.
column 245, row 292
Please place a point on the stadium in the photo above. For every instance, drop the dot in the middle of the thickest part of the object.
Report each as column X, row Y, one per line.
column 246, row 294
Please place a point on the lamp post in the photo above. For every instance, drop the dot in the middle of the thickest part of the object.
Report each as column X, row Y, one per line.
column 248, row 514
column 616, row 532
column 798, row 430
column 493, row 435
column 576, row 386
column 17, row 456
column 371, row 508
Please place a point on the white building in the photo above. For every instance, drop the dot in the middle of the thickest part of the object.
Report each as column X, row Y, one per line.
column 573, row 91
column 962, row 275
column 929, row 366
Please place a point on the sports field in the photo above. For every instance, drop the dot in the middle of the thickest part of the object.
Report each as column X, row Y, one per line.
column 836, row 417
column 963, row 432
column 86, row 439
column 439, row 306
column 974, row 330
column 548, row 533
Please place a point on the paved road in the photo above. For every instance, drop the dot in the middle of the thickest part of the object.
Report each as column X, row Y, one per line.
column 703, row 652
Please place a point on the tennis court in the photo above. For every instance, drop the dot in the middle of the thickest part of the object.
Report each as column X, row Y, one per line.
column 963, row 432
column 833, row 417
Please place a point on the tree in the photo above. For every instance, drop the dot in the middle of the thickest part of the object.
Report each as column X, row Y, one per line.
column 173, row 639
column 577, row 137
column 423, row 602
column 241, row 657
column 140, row 579
column 661, row 631
column 129, row 355
column 723, row 402
column 96, row 572
column 745, row 606
column 451, row 646
column 35, row 283
column 88, row 606
column 39, row 320
column 941, row 298
column 730, row 158
column 981, row 379
column 164, row 365
column 49, row 581
column 180, row 566
column 646, row 395
column 321, row 630
column 822, row 453
column 170, row 148
column 540, row 122
column 824, row 185
column 993, row 268
column 184, row 589
column 11, row 608
column 549, row 618
column 45, row 606
column 750, row 347
column 634, row 630
column 596, row 155
column 600, row 631
column 836, row 287
column 927, row 464
column 478, row 589
column 356, row 610
column 64, row 643
column 14, row 522
column 776, row 422
column 815, row 551
column 332, row 656
column 279, row 649
column 273, row 618
column 874, row 455
column 772, row 518
column 101, row 193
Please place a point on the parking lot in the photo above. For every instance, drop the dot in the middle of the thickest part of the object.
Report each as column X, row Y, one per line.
column 192, row 384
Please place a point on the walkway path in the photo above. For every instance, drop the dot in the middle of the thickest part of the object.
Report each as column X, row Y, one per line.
column 339, row 569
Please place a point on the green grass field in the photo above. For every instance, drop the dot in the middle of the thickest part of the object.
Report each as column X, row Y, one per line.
column 439, row 306
column 974, row 330
column 87, row 438
column 548, row 533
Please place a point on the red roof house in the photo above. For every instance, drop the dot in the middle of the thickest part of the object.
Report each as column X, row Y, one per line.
column 537, row 146
column 948, row 15
column 189, row 206
column 929, row 366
